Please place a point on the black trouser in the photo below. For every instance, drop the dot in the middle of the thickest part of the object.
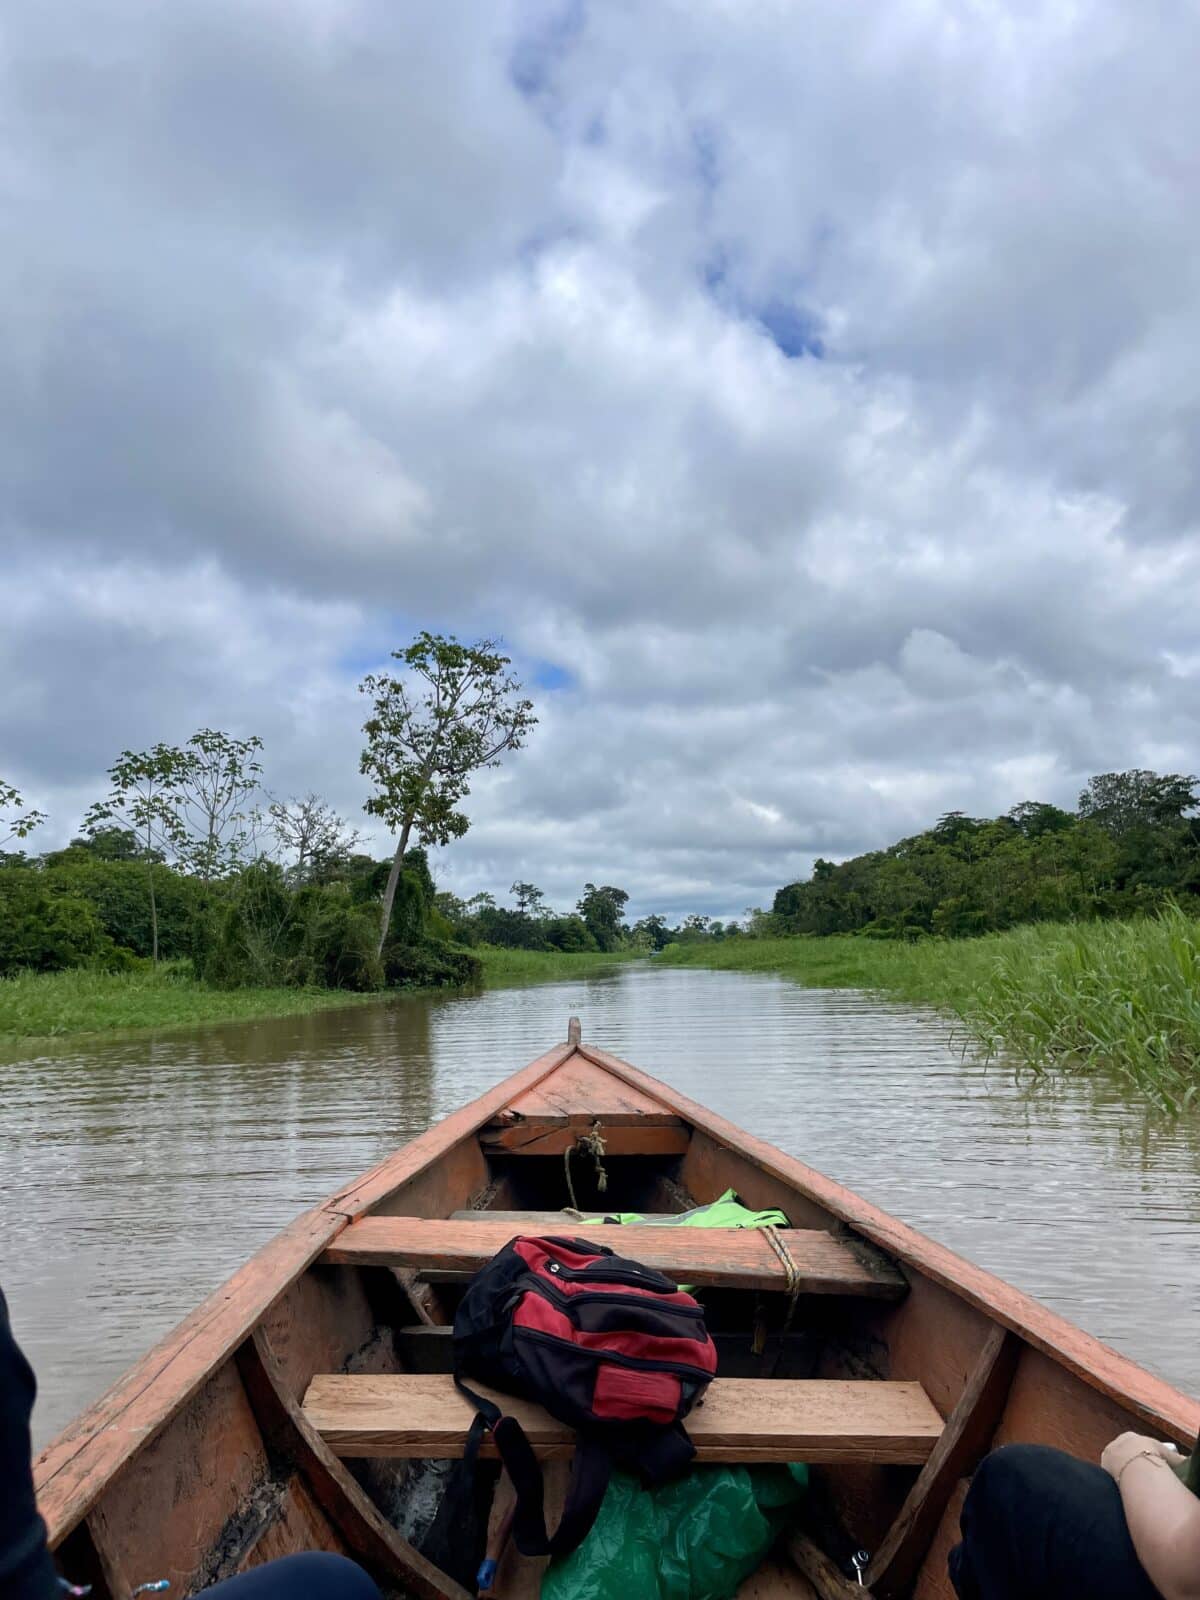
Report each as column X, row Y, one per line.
column 314, row 1575
column 1041, row 1525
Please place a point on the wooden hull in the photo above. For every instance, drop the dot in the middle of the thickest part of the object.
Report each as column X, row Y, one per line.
column 202, row 1462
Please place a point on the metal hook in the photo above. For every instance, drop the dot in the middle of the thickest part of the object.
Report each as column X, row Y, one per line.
column 859, row 1562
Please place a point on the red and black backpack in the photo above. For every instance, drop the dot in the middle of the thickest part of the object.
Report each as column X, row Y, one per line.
column 606, row 1345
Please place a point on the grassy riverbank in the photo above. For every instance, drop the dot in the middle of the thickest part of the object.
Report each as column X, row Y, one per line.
column 506, row 968
column 56, row 1004
column 1117, row 997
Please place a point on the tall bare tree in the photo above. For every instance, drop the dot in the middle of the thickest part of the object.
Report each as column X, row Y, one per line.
column 454, row 710
column 313, row 832
column 219, row 777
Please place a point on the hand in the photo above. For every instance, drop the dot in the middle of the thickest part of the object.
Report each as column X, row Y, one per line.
column 1121, row 1450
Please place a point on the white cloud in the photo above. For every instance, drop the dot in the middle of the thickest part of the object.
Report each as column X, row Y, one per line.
column 317, row 334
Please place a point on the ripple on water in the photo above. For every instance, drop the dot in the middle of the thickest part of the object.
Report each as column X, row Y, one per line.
column 137, row 1174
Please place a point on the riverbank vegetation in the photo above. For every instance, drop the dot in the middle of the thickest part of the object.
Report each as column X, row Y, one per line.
column 81, row 1000
column 504, row 968
column 1121, row 998
column 1131, row 845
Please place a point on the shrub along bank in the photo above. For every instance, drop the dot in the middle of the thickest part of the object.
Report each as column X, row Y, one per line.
column 1116, row 997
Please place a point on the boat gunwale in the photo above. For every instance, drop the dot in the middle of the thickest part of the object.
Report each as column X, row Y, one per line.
column 72, row 1471
column 1116, row 1376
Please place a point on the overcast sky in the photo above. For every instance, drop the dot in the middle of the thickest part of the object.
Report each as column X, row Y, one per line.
column 808, row 394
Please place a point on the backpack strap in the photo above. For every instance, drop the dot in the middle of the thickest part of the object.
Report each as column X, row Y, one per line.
column 664, row 1453
column 590, row 1472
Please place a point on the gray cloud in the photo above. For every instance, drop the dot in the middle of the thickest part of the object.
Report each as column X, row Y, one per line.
column 816, row 400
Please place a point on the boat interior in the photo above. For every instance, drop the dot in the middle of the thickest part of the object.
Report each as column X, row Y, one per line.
column 309, row 1402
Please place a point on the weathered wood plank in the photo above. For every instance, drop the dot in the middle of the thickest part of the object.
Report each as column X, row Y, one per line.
column 519, row 1577
column 367, row 1534
column 78, row 1465
column 964, row 1440
column 738, row 1258
column 581, row 1091
column 1140, row 1394
column 552, row 1136
column 827, row 1579
column 553, row 1221
column 742, row 1420
column 776, row 1579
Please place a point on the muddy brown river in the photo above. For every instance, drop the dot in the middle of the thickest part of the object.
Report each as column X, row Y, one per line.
column 136, row 1174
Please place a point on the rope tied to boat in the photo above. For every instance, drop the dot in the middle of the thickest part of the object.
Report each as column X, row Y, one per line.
column 792, row 1272
column 589, row 1143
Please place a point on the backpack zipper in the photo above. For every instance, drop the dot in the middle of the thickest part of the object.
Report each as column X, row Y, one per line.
column 638, row 1363
column 634, row 1277
column 560, row 1298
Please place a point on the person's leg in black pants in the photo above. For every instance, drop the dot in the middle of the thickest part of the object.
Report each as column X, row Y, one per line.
column 1041, row 1525
column 314, row 1575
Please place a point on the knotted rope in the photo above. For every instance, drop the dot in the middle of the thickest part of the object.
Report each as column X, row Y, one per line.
column 589, row 1143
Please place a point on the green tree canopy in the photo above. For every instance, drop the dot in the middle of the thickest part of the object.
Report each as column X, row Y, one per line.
column 601, row 910
column 452, row 711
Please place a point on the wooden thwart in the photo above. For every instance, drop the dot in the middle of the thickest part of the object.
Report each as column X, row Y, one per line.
column 963, row 1444
column 552, row 1115
column 737, row 1258
column 555, row 1221
column 553, row 1136
column 741, row 1420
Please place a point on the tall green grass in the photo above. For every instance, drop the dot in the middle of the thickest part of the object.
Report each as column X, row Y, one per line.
column 505, row 967
column 51, row 1004
column 1122, row 998
column 54, row 1004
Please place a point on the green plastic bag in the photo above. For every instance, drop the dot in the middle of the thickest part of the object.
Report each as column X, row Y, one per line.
column 727, row 1212
column 694, row 1539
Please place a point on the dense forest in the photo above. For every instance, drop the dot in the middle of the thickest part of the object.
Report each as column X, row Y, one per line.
column 1131, row 845
column 201, row 866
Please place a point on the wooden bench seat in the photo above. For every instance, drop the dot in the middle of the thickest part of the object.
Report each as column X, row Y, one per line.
column 555, row 1221
column 737, row 1258
column 741, row 1420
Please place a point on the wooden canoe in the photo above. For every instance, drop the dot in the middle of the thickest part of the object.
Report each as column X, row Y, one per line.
column 298, row 1405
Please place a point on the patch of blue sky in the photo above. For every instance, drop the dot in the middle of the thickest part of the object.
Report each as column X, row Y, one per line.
column 792, row 328
column 549, row 675
column 539, row 50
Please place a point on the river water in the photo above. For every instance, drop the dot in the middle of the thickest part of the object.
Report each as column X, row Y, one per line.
column 136, row 1174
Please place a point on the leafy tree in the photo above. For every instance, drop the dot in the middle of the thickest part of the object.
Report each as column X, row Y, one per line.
column 652, row 931
column 530, row 899
column 1120, row 801
column 567, row 933
column 45, row 932
column 217, row 779
column 511, row 930
column 108, row 844
column 117, row 891
column 146, row 797
column 601, row 910
column 1033, row 818
column 455, row 711
column 17, row 820
column 312, row 831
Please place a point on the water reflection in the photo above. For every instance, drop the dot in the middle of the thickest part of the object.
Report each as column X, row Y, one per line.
column 136, row 1174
